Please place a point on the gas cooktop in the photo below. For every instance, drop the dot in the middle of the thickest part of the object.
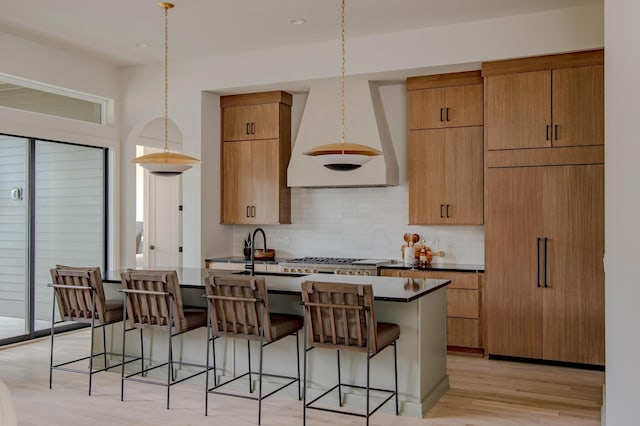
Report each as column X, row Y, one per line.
column 331, row 265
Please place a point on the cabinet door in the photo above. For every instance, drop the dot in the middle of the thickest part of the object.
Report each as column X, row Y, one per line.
column 518, row 111
column 264, row 121
column 463, row 106
column 578, row 106
column 514, row 292
column 236, row 182
column 574, row 297
column 236, row 123
column 265, row 188
column 250, row 122
column 426, row 109
column 426, row 164
column 463, row 172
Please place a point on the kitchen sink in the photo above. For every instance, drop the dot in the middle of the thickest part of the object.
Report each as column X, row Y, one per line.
column 273, row 274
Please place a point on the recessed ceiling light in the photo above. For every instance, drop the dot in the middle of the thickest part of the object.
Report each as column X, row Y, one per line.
column 297, row 21
column 142, row 45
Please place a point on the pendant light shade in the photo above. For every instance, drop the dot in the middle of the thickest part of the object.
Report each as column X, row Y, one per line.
column 342, row 156
column 166, row 163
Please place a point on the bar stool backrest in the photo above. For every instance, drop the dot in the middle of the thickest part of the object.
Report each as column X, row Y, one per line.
column 148, row 305
column 239, row 306
column 336, row 315
column 76, row 303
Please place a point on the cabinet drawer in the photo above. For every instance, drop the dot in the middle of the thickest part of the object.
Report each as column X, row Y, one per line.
column 466, row 280
column 462, row 303
column 464, row 332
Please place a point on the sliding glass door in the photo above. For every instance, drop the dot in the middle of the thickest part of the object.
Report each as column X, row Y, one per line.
column 14, row 216
column 60, row 218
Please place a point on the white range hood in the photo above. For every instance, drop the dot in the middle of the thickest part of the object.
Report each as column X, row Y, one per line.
column 365, row 124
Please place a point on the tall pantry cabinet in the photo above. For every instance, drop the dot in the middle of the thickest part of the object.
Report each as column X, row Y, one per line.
column 545, row 212
column 256, row 147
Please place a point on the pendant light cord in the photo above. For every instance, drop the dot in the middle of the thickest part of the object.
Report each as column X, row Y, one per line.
column 166, row 76
column 342, row 108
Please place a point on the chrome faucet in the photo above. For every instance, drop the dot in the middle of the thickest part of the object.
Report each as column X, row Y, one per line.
column 252, row 260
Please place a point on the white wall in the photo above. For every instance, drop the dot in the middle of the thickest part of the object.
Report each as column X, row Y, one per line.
column 622, row 210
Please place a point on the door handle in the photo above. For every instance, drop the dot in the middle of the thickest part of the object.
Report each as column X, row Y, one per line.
column 152, row 247
column 246, row 129
column 545, row 263
column 548, row 128
column 448, row 205
column 253, row 211
column 441, row 111
column 555, row 132
column 447, row 115
column 441, row 206
column 538, row 262
column 253, row 128
column 246, row 214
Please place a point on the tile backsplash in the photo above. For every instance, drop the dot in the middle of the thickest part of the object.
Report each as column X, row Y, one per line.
column 360, row 222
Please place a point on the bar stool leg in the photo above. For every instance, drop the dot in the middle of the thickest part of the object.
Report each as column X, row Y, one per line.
column 53, row 316
column 104, row 347
column 93, row 321
column 298, row 360
column 368, row 364
column 395, row 367
column 170, row 363
column 206, row 379
column 304, row 372
column 124, row 334
column 339, row 382
column 249, row 361
column 142, row 373
column 260, row 377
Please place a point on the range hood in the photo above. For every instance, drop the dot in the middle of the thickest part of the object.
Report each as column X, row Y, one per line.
column 365, row 124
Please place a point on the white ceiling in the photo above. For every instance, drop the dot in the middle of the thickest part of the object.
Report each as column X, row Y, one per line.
column 110, row 29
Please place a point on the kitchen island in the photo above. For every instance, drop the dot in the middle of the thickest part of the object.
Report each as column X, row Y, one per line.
column 418, row 306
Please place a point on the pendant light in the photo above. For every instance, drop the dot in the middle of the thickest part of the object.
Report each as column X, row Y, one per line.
column 166, row 163
column 343, row 156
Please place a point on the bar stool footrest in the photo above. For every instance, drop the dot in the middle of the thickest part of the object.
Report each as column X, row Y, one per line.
column 391, row 393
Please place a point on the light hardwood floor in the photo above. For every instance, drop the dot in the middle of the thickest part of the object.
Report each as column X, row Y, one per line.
column 482, row 392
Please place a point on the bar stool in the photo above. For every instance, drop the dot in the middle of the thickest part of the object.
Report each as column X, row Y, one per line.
column 239, row 308
column 79, row 294
column 153, row 301
column 341, row 316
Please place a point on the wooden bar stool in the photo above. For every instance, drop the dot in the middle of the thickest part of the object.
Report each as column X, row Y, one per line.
column 239, row 308
column 341, row 316
column 80, row 297
column 153, row 301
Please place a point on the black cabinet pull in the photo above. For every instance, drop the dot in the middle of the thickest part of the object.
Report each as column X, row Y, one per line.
column 253, row 128
column 247, row 212
column 448, row 209
column 545, row 263
column 246, row 130
column 538, row 263
column 441, row 110
column 447, row 115
column 253, row 211
column 441, row 206
column 548, row 128
column 555, row 132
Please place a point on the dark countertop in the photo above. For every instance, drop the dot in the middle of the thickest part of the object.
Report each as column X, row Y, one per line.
column 238, row 259
column 384, row 288
column 454, row 267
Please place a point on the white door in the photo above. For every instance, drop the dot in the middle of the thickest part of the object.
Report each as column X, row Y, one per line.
column 163, row 221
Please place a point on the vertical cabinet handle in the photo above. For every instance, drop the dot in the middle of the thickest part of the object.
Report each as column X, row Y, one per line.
column 448, row 205
column 555, row 132
column 441, row 111
column 253, row 128
column 538, row 263
column 441, row 206
column 253, row 211
column 247, row 212
column 548, row 128
column 447, row 115
column 246, row 129
column 545, row 263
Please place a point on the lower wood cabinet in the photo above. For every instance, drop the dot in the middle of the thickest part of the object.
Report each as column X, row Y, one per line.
column 464, row 306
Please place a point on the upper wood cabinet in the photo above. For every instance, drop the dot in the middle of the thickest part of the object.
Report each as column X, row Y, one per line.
column 545, row 102
column 445, row 153
column 445, row 176
column 433, row 106
column 256, row 147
